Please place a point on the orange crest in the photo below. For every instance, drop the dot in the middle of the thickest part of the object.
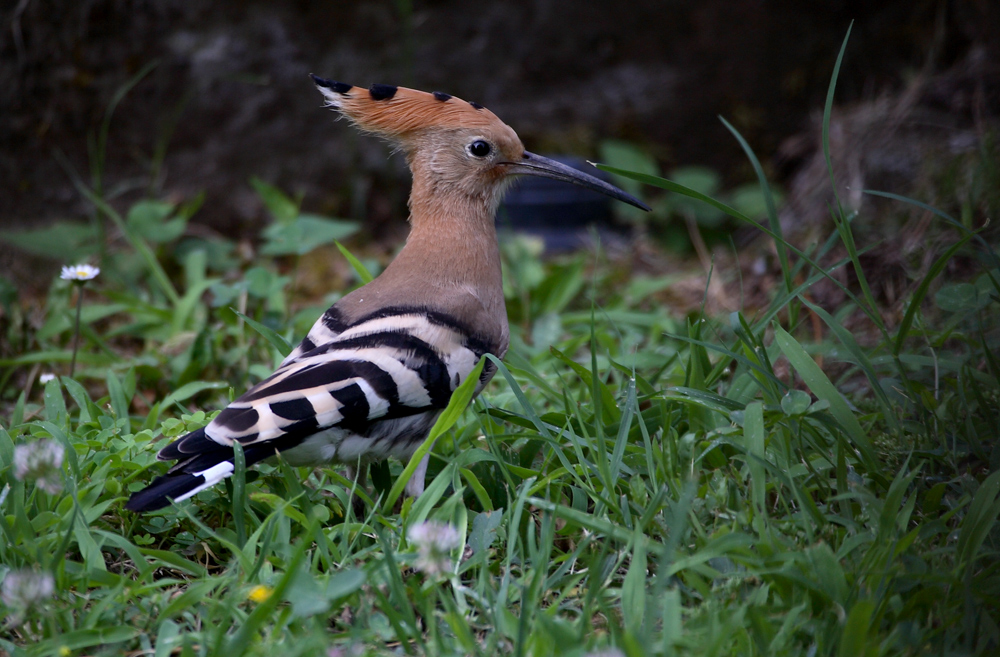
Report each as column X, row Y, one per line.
column 398, row 112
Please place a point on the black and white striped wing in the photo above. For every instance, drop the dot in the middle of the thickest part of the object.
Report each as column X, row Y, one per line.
column 387, row 366
column 327, row 328
column 356, row 392
column 349, row 383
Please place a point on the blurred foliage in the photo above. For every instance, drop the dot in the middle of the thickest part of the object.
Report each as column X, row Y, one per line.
column 674, row 217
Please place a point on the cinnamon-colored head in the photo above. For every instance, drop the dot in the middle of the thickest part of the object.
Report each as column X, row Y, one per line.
column 460, row 152
column 461, row 146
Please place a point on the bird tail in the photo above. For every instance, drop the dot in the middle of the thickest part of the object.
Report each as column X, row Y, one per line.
column 178, row 486
column 202, row 463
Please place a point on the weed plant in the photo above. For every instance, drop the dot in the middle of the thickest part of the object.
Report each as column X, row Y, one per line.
column 633, row 483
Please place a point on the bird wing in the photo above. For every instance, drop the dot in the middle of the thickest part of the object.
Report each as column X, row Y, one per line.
column 388, row 365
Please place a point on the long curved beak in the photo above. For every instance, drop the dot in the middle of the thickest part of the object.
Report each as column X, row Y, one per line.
column 536, row 165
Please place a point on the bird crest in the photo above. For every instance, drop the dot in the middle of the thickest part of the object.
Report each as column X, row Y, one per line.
column 401, row 113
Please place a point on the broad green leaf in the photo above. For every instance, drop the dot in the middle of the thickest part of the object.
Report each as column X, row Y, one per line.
column 65, row 241
column 825, row 569
column 119, row 403
column 281, row 207
column 89, row 550
column 305, row 233
column 626, row 155
column 796, row 402
column 150, row 221
column 484, row 530
column 703, row 180
column 961, row 298
column 166, row 638
column 305, row 594
column 345, row 582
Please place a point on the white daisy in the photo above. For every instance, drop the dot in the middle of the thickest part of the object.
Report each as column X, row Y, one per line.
column 23, row 589
column 41, row 462
column 79, row 273
column 434, row 541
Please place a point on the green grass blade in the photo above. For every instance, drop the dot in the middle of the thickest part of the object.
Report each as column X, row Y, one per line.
column 947, row 217
column 634, row 587
column 753, row 434
column 772, row 211
column 918, row 295
column 828, row 107
column 621, row 441
column 283, row 346
column 979, row 521
column 55, row 404
column 359, row 268
column 240, row 641
column 854, row 639
column 456, row 406
column 189, row 390
column 821, row 386
column 239, row 493
column 864, row 362
column 139, row 244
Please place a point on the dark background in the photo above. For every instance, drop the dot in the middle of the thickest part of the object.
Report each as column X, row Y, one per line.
column 229, row 96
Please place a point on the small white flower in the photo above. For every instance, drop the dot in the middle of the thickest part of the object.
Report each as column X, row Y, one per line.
column 79, row 273
column 23, row 589
column 41, row 462
column 45, row 378
column 434, row 541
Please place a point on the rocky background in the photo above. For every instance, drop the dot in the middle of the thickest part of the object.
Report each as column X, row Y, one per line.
column 207, row 94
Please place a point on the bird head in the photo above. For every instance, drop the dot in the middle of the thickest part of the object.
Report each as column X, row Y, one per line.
column 455, row 148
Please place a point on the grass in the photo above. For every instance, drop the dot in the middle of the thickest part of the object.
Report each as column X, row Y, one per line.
column 634, row 482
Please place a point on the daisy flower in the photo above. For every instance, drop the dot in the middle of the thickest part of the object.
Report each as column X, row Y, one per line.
column 434, row 541
column 79, row 273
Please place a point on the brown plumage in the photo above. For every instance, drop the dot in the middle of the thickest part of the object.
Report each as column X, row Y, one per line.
column 452, row 202
column 379, row 366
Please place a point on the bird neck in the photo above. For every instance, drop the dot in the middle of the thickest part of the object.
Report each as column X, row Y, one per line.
column 450, row 264
column 453, row 241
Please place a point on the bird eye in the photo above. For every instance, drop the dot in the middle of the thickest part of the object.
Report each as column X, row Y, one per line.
column 480, row 148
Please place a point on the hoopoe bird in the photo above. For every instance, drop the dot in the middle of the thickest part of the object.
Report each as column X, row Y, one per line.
column 372, row 375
